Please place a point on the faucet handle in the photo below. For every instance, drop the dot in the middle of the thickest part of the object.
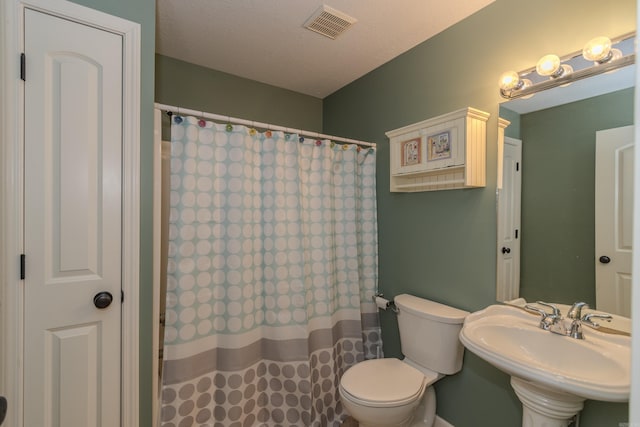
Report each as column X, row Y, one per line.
column 544, row 323
column 587, row 319
column 575, row 312
column 553, row 307
column 534, row 309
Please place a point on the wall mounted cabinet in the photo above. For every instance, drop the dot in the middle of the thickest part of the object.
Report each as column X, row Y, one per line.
column 443, row 153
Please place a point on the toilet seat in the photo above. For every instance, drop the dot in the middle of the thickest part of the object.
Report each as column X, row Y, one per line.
column 383, row 383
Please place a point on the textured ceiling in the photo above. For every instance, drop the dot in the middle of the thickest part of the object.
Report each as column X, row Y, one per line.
column 264, row 40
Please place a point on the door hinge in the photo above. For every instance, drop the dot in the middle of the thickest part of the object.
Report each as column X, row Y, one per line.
column 23, row 261
column 121, row 297
column 23, row 67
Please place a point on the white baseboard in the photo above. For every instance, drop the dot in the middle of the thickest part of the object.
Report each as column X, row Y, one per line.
column 439, row 422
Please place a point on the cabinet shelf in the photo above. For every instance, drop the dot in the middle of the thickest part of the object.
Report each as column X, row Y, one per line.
column 442, row 153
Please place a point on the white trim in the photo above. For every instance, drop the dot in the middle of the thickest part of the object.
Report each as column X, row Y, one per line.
column 131, row 225
column 11, row 122
column 157, row 237
column 440, row 422
column 634, row 398
column 502, row 125
column 11, row 215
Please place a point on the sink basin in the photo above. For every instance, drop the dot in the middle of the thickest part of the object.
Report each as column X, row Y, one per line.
column 598, row 367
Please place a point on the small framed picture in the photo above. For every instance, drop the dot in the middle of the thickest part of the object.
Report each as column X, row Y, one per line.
column 410, row 152
column 439, row 146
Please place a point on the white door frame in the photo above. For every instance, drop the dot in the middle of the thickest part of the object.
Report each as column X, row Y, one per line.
column 157, row 256
column 634, row 398
column 509, row 201
column 11, row 200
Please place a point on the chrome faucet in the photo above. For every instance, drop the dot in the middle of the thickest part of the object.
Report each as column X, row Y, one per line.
column 575, row 312
column 554, row 322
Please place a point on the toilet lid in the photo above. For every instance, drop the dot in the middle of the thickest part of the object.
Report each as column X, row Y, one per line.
column 383, row 381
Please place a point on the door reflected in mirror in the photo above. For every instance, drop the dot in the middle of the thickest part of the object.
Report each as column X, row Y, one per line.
column 557, row 234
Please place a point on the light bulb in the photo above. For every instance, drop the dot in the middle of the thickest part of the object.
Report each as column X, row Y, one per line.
column 599, row 50
column 509, row 80
column 550, row 66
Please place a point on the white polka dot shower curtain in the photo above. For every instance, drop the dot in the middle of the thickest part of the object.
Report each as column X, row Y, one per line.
column 272, row 268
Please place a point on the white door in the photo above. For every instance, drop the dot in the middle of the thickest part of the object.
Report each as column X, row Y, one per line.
column 72, row 225
column 509, row 221
column 614, row 219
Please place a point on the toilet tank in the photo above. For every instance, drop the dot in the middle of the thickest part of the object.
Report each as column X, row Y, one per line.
column 429, row 333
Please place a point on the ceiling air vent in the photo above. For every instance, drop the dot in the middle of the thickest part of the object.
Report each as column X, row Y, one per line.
column 329, row 22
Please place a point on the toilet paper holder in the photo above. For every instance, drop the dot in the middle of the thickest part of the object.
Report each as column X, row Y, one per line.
column 383, row 303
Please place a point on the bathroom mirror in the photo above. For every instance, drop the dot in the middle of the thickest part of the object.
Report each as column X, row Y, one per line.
column 556, row 232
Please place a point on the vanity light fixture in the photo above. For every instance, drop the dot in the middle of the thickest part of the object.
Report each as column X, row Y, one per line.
column 600, row 55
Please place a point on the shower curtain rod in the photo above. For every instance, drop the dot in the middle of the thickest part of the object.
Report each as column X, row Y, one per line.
column 227, row 119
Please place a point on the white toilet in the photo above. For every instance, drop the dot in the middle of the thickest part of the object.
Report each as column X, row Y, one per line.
column 399, row 393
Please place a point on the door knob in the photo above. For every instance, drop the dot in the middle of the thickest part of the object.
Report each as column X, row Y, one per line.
column 506, row 250
column 605, row 259
column 102, row 299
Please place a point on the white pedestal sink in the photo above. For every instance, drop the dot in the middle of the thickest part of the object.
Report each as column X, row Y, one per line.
column 551, row 374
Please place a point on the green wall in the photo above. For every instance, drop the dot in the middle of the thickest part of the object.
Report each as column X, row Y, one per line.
column 144, row 13
column 442, row 245
column 558, row 196
column 439, row 245
column 188, row 85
